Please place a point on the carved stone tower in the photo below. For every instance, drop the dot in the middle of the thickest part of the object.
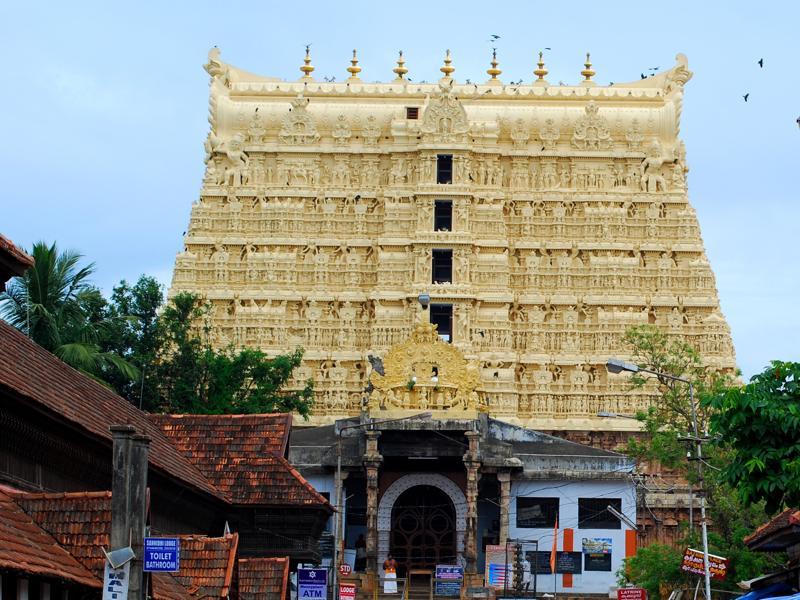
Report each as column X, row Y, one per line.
column 542, row 220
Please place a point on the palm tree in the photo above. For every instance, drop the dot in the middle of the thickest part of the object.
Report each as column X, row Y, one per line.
column 54, row 304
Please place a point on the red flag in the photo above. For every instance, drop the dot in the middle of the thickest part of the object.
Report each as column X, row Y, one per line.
column 553, row 551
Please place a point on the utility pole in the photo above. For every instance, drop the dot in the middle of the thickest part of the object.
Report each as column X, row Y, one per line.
column 129, row 500
column 615, row 365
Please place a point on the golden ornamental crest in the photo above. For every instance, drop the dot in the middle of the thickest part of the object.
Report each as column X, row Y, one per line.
column 426, row 373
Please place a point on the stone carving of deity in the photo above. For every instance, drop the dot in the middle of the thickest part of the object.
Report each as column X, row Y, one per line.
column 341, row 132
column 371, row 131
column 549, row 134
column 591, row 130
column 651, row 178
column 520, row 134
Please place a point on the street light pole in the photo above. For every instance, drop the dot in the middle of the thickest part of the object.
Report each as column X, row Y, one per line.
column 618, row 366
column 339, row 529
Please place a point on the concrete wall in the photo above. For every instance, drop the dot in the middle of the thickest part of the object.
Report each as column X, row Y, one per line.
column 568, row 493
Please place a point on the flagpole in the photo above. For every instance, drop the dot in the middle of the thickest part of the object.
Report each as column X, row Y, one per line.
column 554, row 560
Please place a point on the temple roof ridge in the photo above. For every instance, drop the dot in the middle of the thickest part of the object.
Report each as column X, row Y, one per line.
column 242, row 80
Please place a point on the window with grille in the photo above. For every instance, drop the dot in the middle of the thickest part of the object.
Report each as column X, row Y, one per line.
column 412, row 112
column 537, row 513
column 593, row 513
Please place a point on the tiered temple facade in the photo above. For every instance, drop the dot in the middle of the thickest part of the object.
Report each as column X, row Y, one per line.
column 543, row 221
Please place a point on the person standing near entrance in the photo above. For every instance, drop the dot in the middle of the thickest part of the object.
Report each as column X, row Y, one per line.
column 390, row 575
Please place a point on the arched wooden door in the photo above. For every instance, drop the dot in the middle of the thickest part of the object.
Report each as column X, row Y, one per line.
column 423, row 529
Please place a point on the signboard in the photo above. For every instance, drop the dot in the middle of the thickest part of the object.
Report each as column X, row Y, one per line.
column 631, row 593
column 497, row 569
column 596, row 545
column 693, row 563
column 115, row 582
column 161, row 554
column 597, row 562
column 566, row 562
column 448, row 580
column 347, row 591
column 345, row 569
column 312, row 584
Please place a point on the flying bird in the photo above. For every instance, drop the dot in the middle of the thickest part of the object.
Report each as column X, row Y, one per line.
column 746, row 96
column 548, row 48
column 494, row 37
column 642, row 75
column 761, row 62
column 653, row 68
column 798, row 121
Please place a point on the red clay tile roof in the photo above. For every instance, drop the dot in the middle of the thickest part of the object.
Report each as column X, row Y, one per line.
column 242, row 456
column 263, row 578
column 79, row 521
column 207, row 564
column 788, row 518
column 26, row 547
column 13, row 261
column 41, row 378
column 235, row 436
column 165, row 587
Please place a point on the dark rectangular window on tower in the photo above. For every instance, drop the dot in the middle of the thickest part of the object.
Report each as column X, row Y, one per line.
column 443, row 215
column 412, row 112
column 442, row 317
column 442, row 266
column 444, row 168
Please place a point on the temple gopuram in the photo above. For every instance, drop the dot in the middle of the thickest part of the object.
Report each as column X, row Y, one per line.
column 459, row 260
column 542, row 220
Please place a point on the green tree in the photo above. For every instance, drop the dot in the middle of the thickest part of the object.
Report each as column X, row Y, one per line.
column 133, row 314
column 193, row 377
column 760, row 424
column 653, row 566
column 664, row 422
column 54, row 304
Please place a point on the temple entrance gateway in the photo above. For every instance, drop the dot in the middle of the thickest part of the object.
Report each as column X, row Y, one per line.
column 423, row 530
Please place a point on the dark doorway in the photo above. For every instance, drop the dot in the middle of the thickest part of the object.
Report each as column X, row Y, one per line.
column 443, row 215
column 442, row 266
column 442, row 317
column 444, row 168
column 423, row 529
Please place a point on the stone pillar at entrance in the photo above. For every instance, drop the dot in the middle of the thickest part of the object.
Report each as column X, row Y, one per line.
column 472, row 463
column 505, row 498
column 372, row 461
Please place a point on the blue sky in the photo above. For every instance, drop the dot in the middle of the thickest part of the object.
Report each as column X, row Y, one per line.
column 104, row 111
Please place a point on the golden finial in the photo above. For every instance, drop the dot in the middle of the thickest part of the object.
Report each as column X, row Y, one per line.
column 354, row 69
column 540, row 72
column 494, row 71
column 307, row 68
column 588, row 72
column 400, row 70
column 447, row 69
